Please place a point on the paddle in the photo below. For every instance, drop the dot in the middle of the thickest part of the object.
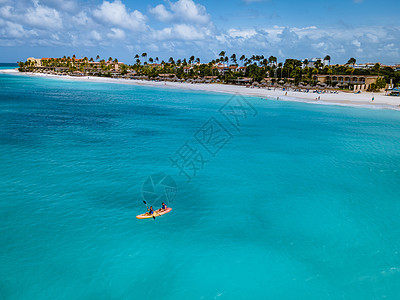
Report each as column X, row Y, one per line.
column 148, row 208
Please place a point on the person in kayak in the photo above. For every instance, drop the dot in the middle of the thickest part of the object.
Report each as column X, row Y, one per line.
column 151, row 210
column 163, row 207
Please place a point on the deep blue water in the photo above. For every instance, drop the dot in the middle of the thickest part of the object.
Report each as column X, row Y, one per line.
column 8, row 65
column 300, row 201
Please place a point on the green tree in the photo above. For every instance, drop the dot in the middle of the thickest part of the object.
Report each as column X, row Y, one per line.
column 318, row 64
column 328, row 58
column 272, row 60
column 144, row 55
column 242, row 58
column 352, row 61
column 233, row 58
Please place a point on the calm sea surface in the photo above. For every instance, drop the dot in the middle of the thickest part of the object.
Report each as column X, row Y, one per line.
column 284, row 200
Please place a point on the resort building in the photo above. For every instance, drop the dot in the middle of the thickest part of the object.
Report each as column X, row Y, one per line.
column 360, row 82
column 223, row 68
column 36, row 62
column 187, row 69
column 364, row 66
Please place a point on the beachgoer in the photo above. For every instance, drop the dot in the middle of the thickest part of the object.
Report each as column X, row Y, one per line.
column 163, row 207
column 151, row 210
column 373, row 97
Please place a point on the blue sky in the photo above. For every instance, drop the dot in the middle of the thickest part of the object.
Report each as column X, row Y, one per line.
column 365, row 29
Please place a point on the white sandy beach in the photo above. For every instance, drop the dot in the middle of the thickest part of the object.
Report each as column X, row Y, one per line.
column 341, row 98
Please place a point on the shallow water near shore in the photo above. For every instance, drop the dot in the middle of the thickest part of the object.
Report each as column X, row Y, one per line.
column 301, row 202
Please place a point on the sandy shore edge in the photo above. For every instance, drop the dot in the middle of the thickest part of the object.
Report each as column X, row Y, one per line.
column 341, row 98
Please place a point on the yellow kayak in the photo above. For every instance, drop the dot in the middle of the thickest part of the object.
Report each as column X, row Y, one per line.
column 156, row 214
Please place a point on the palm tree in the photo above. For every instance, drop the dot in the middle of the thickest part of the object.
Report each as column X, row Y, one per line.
column 280, row 67
column 151, row 60
column 144, row 55
column 157, row 59
column 191, row 59
column 328, row 58
column 352, row 61
column 318, row 64
column 222, row 53
column 314, row 71
column 97, row 57
column 242, row 58
column 198, row 60
column 264, row 62
column 136, row 56
column 233, row 58
column 290, row 67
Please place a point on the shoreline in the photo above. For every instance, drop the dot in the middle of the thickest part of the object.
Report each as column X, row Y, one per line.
column 341, row 98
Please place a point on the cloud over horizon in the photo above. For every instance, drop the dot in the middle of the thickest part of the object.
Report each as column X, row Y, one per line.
column 179, row 28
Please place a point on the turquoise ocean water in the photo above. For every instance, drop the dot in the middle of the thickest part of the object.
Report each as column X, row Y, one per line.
column 300, row 201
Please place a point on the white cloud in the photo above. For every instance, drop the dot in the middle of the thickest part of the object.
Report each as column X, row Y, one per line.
column 43, row 17
column 181, row 11
column 237, row 33
column 65, row 5
column 356, row 43
column 95, row 35
column 185, row 27
column 6, row 11
column 320, row 46
column 161, row 13
column 81, row 18
column 314, row 41
column 182, row 32
column 116, row 33
column 115, row 13
column 13, row 30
